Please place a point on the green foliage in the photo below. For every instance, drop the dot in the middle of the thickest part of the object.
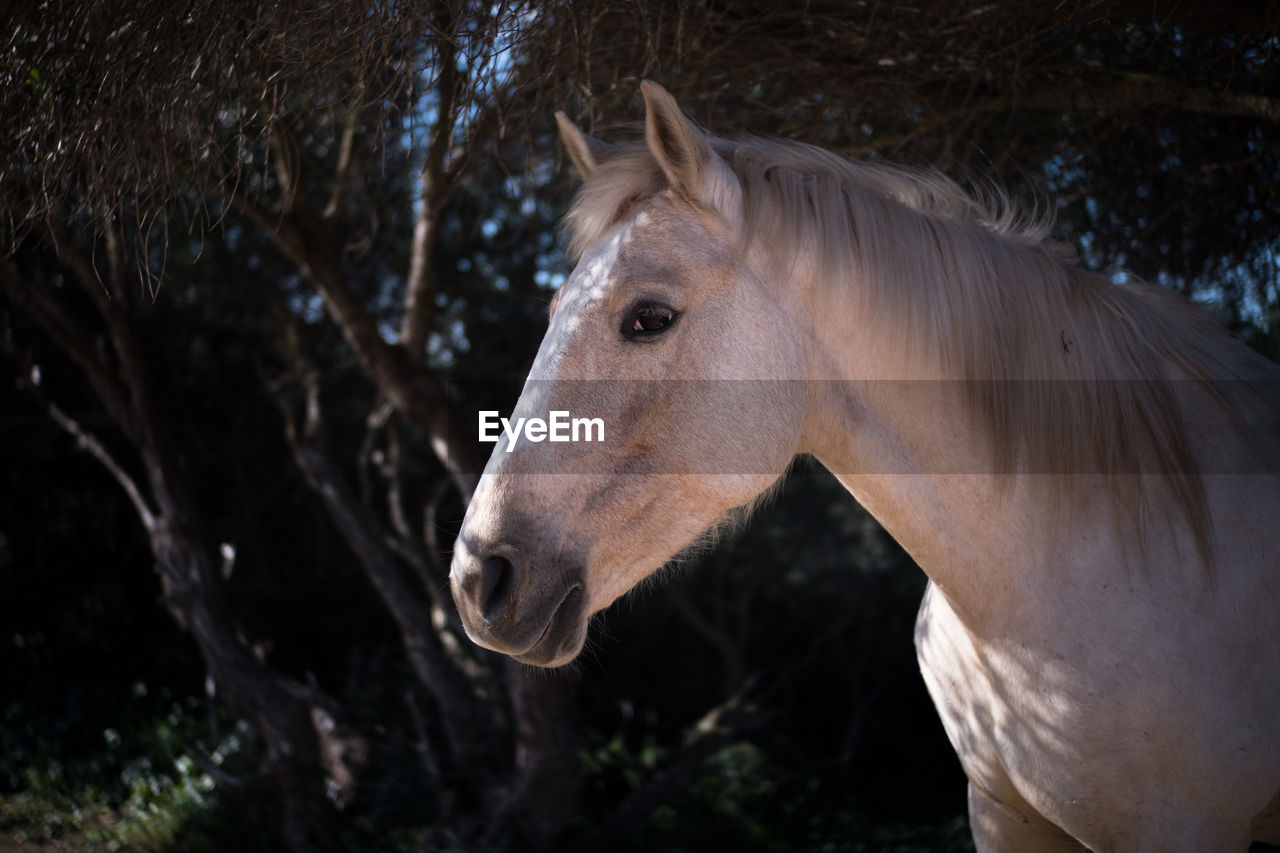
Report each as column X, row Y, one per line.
column 744, row 800
column 616, row 758
column 116, row 771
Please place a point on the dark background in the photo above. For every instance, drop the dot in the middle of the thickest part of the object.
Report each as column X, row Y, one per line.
column 262, row 335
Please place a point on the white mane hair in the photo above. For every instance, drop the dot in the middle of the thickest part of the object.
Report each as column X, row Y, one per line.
column 976, row 286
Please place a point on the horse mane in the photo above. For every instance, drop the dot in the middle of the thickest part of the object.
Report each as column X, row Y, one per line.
column 1072, row 372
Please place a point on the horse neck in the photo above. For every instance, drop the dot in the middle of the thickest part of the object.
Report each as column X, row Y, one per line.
column 902, row 436
column 892, row 423
column 963, row 529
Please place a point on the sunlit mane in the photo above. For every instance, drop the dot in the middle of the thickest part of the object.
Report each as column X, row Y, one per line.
column 979, row 289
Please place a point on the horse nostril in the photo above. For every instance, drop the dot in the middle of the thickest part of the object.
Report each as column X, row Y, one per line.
column 497, row 579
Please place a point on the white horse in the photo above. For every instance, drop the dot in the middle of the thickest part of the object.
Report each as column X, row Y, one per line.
column 1086, row 472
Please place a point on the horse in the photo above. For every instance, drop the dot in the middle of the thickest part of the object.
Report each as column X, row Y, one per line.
column 1086, row 470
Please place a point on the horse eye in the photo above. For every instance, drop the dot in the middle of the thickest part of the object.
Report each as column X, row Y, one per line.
column 647, row 319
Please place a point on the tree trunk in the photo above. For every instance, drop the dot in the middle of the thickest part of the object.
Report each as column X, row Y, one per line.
column 547, row 784
column 185, row 554
column 531, row 793
column 292, row 772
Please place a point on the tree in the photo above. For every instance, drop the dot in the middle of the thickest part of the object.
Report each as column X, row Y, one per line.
column 223, row 91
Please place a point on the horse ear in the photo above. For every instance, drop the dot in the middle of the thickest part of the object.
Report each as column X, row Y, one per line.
column 585, row 151
column 672, row 140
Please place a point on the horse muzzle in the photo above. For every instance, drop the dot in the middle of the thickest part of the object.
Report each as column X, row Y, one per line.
column 512, row 603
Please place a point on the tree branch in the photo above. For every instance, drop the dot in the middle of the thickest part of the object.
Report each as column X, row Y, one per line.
column 73, row 338
column 1130, row 91
column 421, row 285
column 1139, row 91
column 407, row 383
column 88, row 442
column 367, row 539
column 342, row 171
column 85, row 440
column 141, row 423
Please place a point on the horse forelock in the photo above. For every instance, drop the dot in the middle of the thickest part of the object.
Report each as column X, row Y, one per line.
column 975, row 285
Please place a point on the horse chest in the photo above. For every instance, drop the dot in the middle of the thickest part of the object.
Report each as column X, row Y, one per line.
column 1088, row 742
column 1023, row 729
